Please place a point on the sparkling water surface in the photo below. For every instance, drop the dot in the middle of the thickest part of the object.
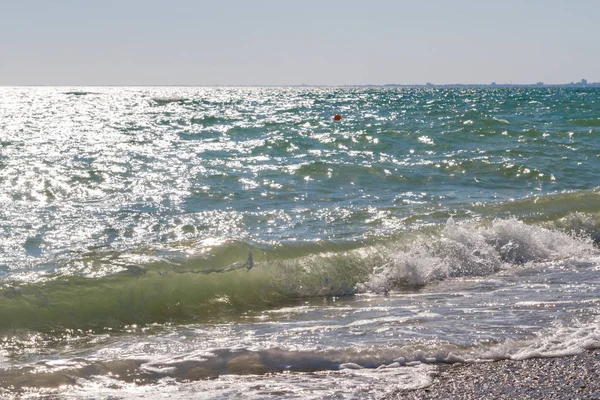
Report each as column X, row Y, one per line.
column 216, row 241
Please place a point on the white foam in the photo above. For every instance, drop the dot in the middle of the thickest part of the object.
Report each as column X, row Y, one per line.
column 559, row 341
column 474, row 249
column 519, row 243
column 347, row 383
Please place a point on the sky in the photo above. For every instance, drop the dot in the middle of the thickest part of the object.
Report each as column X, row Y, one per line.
column 291, row 42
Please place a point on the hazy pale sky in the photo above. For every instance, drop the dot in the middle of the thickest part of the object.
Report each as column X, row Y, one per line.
column 285, row 42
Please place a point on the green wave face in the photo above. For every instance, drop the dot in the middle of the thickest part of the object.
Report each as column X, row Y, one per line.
column 155, row 295
column 116, row 301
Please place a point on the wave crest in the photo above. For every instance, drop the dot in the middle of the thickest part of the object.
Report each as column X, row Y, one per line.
column 472, row 250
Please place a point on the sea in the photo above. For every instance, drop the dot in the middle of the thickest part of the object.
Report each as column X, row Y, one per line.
column 239, row 242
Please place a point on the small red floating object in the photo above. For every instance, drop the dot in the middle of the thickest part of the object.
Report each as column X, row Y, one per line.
column 337, row 117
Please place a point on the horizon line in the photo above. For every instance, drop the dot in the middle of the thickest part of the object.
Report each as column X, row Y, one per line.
column 428, row 84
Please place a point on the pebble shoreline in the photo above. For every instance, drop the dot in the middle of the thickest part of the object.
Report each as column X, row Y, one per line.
column 570, row 377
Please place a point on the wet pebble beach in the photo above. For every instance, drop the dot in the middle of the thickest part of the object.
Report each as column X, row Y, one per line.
column 572, row 377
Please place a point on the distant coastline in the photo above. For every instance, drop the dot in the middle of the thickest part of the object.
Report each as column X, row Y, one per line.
column 581, row 84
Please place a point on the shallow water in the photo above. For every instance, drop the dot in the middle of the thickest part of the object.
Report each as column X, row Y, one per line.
column 223, row 242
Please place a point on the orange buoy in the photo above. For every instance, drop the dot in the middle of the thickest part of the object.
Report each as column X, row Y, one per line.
column 337, row 117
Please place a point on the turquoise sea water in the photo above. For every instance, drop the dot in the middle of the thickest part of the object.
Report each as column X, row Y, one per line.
column 215, row 241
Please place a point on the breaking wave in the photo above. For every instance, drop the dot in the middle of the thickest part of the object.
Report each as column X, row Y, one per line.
column 195, row 290
column 472, row 250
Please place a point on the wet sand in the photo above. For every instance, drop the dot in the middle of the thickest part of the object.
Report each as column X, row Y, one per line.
column 571, row 377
